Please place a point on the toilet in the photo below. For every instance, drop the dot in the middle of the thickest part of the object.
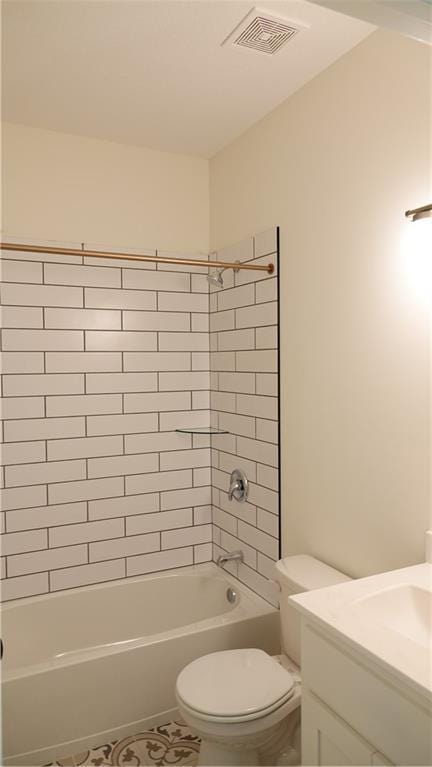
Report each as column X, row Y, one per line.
column 245, row 704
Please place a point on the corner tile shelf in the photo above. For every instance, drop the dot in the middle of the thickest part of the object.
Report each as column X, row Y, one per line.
column 202, row 430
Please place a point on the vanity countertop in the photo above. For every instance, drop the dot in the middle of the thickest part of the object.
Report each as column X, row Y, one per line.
column 387, row 618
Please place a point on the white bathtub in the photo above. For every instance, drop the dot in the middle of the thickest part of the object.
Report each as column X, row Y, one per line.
column 89, row 665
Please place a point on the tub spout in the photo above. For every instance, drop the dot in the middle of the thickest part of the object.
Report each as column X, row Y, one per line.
column 233, row 556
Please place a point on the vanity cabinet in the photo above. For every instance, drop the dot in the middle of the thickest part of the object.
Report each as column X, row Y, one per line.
column 354, row 712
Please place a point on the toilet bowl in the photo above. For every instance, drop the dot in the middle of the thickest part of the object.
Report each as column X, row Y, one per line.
column 245, row 704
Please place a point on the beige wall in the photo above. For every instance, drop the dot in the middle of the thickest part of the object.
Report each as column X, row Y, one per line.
column 65, row 187
column 336, row 166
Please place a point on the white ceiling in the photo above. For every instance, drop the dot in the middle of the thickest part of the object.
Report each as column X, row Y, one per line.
column 153, row 72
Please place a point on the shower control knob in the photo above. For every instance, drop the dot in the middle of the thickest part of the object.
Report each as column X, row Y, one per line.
column 239, row 486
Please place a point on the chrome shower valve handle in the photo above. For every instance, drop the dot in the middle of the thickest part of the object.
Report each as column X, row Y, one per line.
column 239, row 486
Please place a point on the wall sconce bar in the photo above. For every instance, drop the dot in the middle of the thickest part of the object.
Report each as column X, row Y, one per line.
column 269, row 268
column 417, row 213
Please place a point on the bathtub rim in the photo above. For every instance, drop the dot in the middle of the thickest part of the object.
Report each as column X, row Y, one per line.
column 250, row 605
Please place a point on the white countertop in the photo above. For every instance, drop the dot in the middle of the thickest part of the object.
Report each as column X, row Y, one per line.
column 340, row 610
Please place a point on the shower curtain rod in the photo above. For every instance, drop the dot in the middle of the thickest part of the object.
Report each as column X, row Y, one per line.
column 269, row 268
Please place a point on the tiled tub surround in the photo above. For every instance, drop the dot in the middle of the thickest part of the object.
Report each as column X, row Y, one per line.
column 244, row 364
column 121, row 644
column 102, row 361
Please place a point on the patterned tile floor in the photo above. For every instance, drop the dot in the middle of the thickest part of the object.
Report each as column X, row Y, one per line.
column 169, row 744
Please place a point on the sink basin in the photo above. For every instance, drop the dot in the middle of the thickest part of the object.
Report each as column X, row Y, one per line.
column 405, row 609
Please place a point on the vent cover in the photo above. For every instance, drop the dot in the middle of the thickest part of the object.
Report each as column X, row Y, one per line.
column 261, row 32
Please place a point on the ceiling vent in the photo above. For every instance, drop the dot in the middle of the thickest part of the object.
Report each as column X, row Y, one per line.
column 261, row 32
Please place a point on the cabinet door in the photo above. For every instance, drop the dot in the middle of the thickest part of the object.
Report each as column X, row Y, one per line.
column 328, row 740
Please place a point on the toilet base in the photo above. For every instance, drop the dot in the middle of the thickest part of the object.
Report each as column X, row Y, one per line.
column 212, row 754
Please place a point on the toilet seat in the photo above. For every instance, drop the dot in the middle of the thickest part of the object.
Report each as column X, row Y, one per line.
column 234, row 686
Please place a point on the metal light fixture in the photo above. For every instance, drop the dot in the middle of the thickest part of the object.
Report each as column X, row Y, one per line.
column 416, row 214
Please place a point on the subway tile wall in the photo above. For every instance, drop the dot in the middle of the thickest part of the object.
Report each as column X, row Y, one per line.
column 102, row 361
column 244, row 400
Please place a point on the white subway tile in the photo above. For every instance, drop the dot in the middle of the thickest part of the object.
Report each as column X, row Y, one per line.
column 42, row 340
column 87, row 447
column 22, row 452
column 266, row 242
column 199, row 283
column 83, row 362
column 267, row 384
column 21, row 385
column 16, row 543
column 160, row 320
column 224, row 521
column 223, row 361
column 233, row 340
column 257, row 361
column 258, row 539
column 120, row 299
column 183, row 381
column 151, row 443
column 267, row 337
column 89, row 489
column 244, row 511
column 157, row 361
column 185, row 459
column 105, row 340
column 202, row 476
column 261, row 407
column 200, row 361
column 196, row 496
column 190, row 302
column 156, row 280
column 265, row 498
column 141, row 403
column 255, row 316
column 188, row 342
column 93, row 319
column 236, row 297
column 266, row 290
column 201, row 400
column 187, row 536
column 258, row 451
column 188, row 419
column 240, row 251
column 42, row 473
column 237, row 424
column 21, row 317
column 86, row 404
column 88, row 531
column 123, row 464
column 26, row 586
column 268, row 590
column 22, row 362
column 43, row 428
column 230, row 543
column 244, row 277
column 165, row 520
column 203, row 553
column 200, row 323
column 268, row 522
column 124, row 547
column 163, row 560
column 50, row 559
column 124, row 507
column 224, row 401
column 41, row 295
column 267, row 476
column 229, row 462
column 121, row 382
column 20, row 271
column 267, row 431
column 122, row 424
column 164, row 480
column 222, row 321
column 46, row 516
column 237, row 382
column 266, row 566
column 23, row 497
column 93, row 276
column 87, row 574
column 202, row 515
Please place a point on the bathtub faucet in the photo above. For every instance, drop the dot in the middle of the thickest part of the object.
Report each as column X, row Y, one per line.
column 233, row 556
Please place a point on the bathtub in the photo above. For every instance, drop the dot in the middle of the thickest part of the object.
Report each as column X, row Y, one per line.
column 86, row 666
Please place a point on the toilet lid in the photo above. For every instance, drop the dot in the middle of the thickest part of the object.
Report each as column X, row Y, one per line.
column 234, row 683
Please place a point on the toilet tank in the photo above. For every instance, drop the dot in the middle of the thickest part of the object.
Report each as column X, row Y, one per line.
column 295, row 575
